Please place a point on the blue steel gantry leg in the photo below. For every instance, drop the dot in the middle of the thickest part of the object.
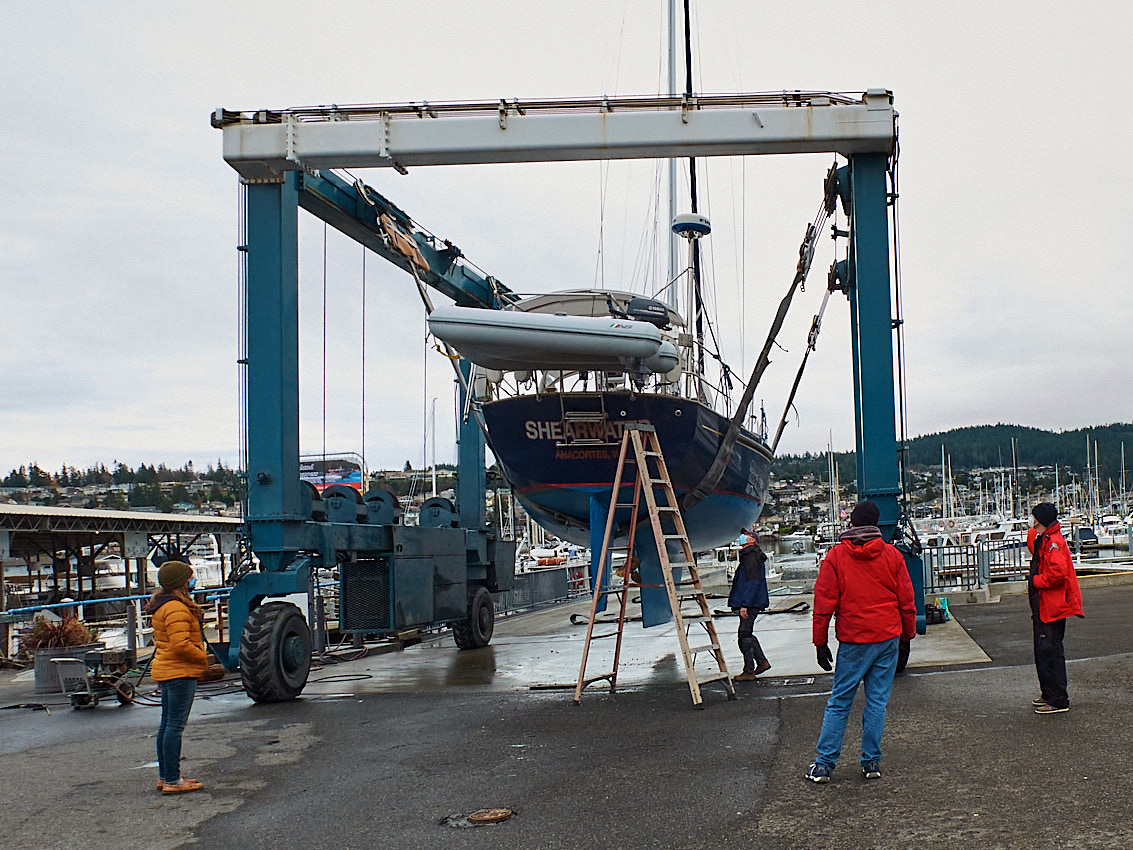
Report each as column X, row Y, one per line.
column 276, row 512
column 472, row 480
column 871, row 320
column 598, row 514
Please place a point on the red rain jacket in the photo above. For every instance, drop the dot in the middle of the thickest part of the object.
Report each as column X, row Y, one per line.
column 866, row 587
column 1056, row 580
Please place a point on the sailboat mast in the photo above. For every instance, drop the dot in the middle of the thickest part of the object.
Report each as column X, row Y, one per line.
column 943, row 486
column 1089, row 475
column 833, row 484
column 671, row 293
column 1124, row 491
column 696, row 306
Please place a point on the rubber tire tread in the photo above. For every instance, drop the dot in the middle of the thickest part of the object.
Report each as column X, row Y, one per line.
column 467, row 633
column 262, row 679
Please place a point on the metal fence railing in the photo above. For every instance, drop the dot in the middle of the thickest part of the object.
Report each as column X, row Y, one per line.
column 1006, row 561
column 970, row 567
column 948, row 568
column 545, row 586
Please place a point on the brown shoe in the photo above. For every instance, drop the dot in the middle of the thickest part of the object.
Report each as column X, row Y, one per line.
column 1037, row 701
column 762, row 667
column 160, row 785
column 744, row 677
column 1047, row 708
column 182, row 787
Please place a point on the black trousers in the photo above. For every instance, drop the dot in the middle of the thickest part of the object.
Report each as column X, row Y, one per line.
column 749, row 643
column 1050, row 661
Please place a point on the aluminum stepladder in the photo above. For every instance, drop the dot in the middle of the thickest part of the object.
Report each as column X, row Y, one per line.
column 650, row 480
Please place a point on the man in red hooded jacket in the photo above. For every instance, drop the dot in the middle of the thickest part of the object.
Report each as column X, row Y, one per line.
column 864, row 583
column 1054, row 595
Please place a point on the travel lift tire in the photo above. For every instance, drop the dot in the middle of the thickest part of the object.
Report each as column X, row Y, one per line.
column 476, row 631
column 275, row 652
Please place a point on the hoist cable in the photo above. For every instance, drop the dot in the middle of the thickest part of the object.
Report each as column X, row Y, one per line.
column 902, row 387
column 242, row 338
column 325, row 354
column 365, row 474
column 716, row 471
column 812, row 341
column 471, row 408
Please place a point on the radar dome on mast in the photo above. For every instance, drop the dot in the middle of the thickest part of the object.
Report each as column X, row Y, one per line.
column 691, row 225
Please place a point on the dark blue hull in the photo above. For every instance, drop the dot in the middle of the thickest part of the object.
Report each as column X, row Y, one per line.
column 560, row 451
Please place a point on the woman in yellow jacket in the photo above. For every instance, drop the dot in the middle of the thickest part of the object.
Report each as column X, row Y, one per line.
column 179, row 659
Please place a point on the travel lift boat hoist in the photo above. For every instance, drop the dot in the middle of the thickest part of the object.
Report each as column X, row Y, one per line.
column 395, row 576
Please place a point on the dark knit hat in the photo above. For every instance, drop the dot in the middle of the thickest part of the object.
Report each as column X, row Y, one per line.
column 173, row 574
column 865, row 513
column 1045, row 513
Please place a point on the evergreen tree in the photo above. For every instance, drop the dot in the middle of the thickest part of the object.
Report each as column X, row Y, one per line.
column 16, row 478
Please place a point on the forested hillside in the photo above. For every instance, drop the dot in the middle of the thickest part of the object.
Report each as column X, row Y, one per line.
column 986, row 446
column 990, row 445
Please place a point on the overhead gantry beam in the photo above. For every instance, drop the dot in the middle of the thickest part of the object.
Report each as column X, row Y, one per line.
column 264, row 145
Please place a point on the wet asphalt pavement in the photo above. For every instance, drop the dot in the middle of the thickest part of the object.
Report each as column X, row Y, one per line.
column 349, row 765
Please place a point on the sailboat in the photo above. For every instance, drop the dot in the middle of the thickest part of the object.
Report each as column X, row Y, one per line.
column 559, row 376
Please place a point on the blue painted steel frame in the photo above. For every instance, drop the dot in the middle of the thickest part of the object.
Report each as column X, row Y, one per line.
column 871, row 322
column 278, row 513
column 472, row 480
column 275, row 510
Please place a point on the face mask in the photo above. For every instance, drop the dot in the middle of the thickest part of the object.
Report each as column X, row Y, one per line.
column 192, row 584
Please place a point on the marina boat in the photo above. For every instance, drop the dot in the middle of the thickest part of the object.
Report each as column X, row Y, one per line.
column 1112, row 532
column 556, row 431
column 560, row 375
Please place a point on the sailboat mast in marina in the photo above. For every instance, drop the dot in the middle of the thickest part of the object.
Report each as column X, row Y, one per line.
column 559, row 375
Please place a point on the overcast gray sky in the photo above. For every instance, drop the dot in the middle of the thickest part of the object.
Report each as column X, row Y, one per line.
column 118, row 221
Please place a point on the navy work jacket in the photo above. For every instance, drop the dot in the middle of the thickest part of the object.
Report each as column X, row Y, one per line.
column 750, row 592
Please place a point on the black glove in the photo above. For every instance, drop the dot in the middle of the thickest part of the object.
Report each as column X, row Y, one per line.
column 902, row 655
column 825, row 659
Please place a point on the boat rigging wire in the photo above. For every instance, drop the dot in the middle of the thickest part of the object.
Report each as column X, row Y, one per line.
column 806, row 256
column 696, row 320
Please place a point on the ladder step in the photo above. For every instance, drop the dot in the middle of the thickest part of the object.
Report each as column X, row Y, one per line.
column 705, row 648
column 584, row 415
column 607, row 676
column 655, row 480
column 715, row 677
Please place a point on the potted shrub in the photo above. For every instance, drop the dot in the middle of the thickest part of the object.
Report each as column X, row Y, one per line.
column 47, row 639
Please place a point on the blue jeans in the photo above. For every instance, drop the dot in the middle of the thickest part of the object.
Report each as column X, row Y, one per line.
column 176, row 702
column 871, row 663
